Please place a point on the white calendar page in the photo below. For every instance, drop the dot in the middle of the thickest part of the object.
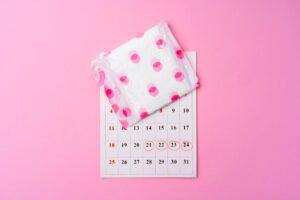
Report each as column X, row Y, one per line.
column 162, row 145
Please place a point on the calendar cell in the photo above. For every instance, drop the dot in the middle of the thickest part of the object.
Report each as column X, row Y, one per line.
column 149, row 145
column 173, row 129
column 173, row 165
column 161, row 165
column 186, row 114
column 186, row 145
column 161, row 116
column 136, row 166
column 136, row 132
column 148, row 129
column 174, row 145
column 124, row 165
column 186, row 130
column 149, row 132
column 187, row 148
column 124, row 147
column 161, row 128
column 137, row 148
column 149, row 148
column 186, row 165
column 112, row 148
column 161, row 145
column 124, row 133
column 110, row 115
column 161, row 132
column 149, row 165
column 111, row 165
column 173, row 112
column 111, row 132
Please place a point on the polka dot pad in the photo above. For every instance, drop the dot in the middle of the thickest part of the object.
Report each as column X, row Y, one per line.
column 145, row 74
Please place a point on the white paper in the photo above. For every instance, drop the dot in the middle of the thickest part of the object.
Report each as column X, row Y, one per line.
column 163, row 145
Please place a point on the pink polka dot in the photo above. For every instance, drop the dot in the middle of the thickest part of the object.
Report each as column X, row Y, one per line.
column 109, row 93
column 156, row 65
column 134, row 57
column 179, row 76
column 160, row 42
column 174, row 96
column 179, row 53
column 124, row 123
column 125, row 112
column 143, row 113
column 115, row 107
column 115, row 99
column 123, row 79
column 152, row 89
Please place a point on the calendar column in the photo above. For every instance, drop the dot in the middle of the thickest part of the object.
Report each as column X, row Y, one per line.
column 111, row 142
column 136, row 149
column 173, row 138
column 161, row 138
column 149, row 145
column 124, row 150
column 186, row 130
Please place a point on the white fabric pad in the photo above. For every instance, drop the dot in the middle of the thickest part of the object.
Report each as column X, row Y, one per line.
column 144, row 74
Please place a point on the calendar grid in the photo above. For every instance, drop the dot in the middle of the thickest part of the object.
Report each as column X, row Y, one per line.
column 163, row 145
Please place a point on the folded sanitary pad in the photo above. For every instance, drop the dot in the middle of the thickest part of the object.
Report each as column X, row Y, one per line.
column 144, row 74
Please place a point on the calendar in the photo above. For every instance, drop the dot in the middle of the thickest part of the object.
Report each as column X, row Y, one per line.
column 162, row 145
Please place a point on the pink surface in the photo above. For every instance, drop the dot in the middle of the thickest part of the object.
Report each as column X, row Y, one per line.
column 248, row 103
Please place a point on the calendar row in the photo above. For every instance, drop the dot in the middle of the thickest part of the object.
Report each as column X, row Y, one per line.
column 150, row 165
column 149, row 145
column 173, row 114
column 171, row 127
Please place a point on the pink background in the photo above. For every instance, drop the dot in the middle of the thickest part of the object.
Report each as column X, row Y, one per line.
column 248, row 104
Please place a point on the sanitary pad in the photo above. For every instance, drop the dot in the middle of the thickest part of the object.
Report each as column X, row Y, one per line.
column 144, row 74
